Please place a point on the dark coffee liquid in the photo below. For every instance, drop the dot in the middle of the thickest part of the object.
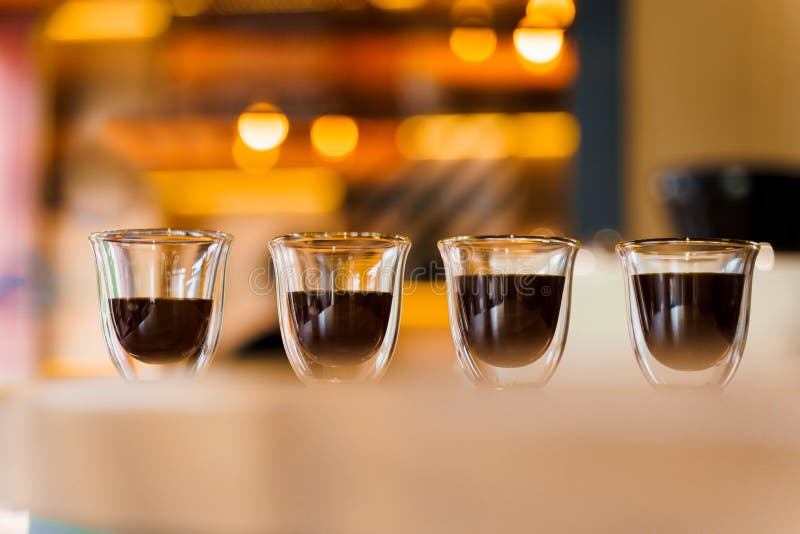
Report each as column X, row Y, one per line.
column 689, row 319
column 508, row 320
column 340, row 327
column 161, row 330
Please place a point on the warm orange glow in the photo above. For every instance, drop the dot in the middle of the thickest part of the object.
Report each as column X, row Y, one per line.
column 489, row 136
column 424, row 305
column 397, row 5
column 471, row 12
column 543, row 231
column 538, row 45
column 251, row 160
column 67, row 367
column 190, row 8
column 465, row 11
column 262, row 126
column 473, row 44
column 295, row 190
column 561, row 13
column 445, row 137
column 94, row 20
column 555, row 134
column 334, row 136
column 541, row 69
column 241, row 7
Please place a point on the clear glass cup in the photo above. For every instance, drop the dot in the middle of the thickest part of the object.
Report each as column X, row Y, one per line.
column 339, row 298
column 161, row 293
column 509, row 300
column 688, row 307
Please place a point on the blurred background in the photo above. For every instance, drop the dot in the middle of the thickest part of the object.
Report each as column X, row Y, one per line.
column 597, row 119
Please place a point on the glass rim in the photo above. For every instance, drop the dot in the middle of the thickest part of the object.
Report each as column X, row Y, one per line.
column 172, row 236
column 358, row 240
column 513, row 238
column 714, row 244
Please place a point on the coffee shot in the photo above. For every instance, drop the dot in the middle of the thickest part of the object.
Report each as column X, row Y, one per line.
column 508, row 320
column 340, row 327
column 689, row 320
column 161, row 330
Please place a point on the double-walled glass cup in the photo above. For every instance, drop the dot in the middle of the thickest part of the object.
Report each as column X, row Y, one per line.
column 509, row 299
column 688, row 307
column 161, row 295
column 339, row 302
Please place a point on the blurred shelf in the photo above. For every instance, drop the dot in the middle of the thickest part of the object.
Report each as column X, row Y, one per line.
column 361, row 62
column 223, row 71
column 203, row 142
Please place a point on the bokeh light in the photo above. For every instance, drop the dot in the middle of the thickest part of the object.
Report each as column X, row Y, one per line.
column 447, row 137
column 606, row 239
column 282, row 190
column 557, row 13
column 334, row 136
column 473, row 44
column 97, row 20
column 546, row 135
column 538, row 45
column 541, row 69
column 397, row 5
column 540, row 135
column 262, row 126
column 252, row 160
column 765, row 261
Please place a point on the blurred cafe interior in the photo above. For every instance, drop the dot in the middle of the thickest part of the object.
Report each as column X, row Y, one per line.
column 420, row 118
column 601, row 120
column 426, row 118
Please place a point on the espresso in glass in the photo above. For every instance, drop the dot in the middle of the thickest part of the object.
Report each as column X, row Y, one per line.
column 340, row 327
column 509, row 302
column 339, row 296
column 161, row 330
column 688, row 307
column 689, row 320
column 161, row 293
column 508, row 320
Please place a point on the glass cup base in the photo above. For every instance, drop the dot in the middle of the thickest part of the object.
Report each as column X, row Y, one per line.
column 142, row 371
column 534, row 375
column 310, row 372
column 715, row 377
